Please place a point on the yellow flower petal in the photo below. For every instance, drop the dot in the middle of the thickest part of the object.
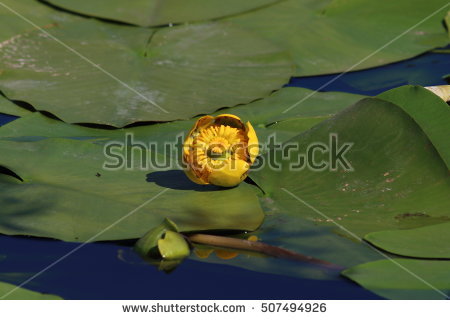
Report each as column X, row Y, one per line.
column 200, row 124
column 191, row 175
column 217, row 150
column 228, row 115
column 230, row 174
column 253, row 143
column 229, row 120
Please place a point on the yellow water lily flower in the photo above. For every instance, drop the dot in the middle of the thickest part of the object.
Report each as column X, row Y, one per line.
column 220, row 150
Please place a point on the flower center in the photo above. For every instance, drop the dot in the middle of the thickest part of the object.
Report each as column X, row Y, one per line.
column 217, row 153
column 216, row 144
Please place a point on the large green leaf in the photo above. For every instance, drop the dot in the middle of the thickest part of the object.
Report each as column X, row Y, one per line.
column 400, row 181
column 14, row 293
column 323, row 38
column 293, row 103
column 20, row 16
column 404, row 278
column 314, row 108
column 426, row 242
column 397, row 170
column 121, row 78
column 447, row 22
column 37, row 127
column 160, row 12
column 428, row 111
column 70, row 196
column 9, row 107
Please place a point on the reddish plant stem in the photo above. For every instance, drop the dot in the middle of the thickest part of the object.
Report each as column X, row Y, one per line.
column 256, row 246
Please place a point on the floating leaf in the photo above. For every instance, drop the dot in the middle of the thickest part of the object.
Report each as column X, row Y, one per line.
column 404, row 278
column 292, row 103
column 8, row 107
column 447, row 22
column 426, row 242
column 433, row 119
column 400, row 181
column 397, row 169
column 36, row 126
column 71, row 197
column 314, row 108
column 120, row 78
column 13, row 292
column 15, row 13
column 160, row 12
column 322, row 37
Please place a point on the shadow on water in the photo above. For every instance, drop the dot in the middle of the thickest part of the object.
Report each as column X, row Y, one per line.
column 177, row 179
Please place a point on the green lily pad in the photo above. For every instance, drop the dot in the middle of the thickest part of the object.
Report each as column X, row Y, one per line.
column 36, row 126
column 292, row 103
column 447, row 22
column 400, row 181
column 426, row 242
column 10, row 108
column 21, row 16
column 397, row 168
column 389, row 278
column 15, row 293
column 129, row 74
column 313, row 109
column 322, row 38
column 60, row 143
column 292, row 110
column 428, row 111
column 70, row 196
column 157, row 12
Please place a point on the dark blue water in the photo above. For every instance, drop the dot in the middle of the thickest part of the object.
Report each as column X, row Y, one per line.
column 112, row 271
column 108, row 271
column 4, row 118
column 426, row 70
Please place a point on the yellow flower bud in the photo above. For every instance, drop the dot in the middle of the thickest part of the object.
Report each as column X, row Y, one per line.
column 220, row 150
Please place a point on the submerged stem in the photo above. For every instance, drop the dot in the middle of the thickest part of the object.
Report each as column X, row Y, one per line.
column 254, row 246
